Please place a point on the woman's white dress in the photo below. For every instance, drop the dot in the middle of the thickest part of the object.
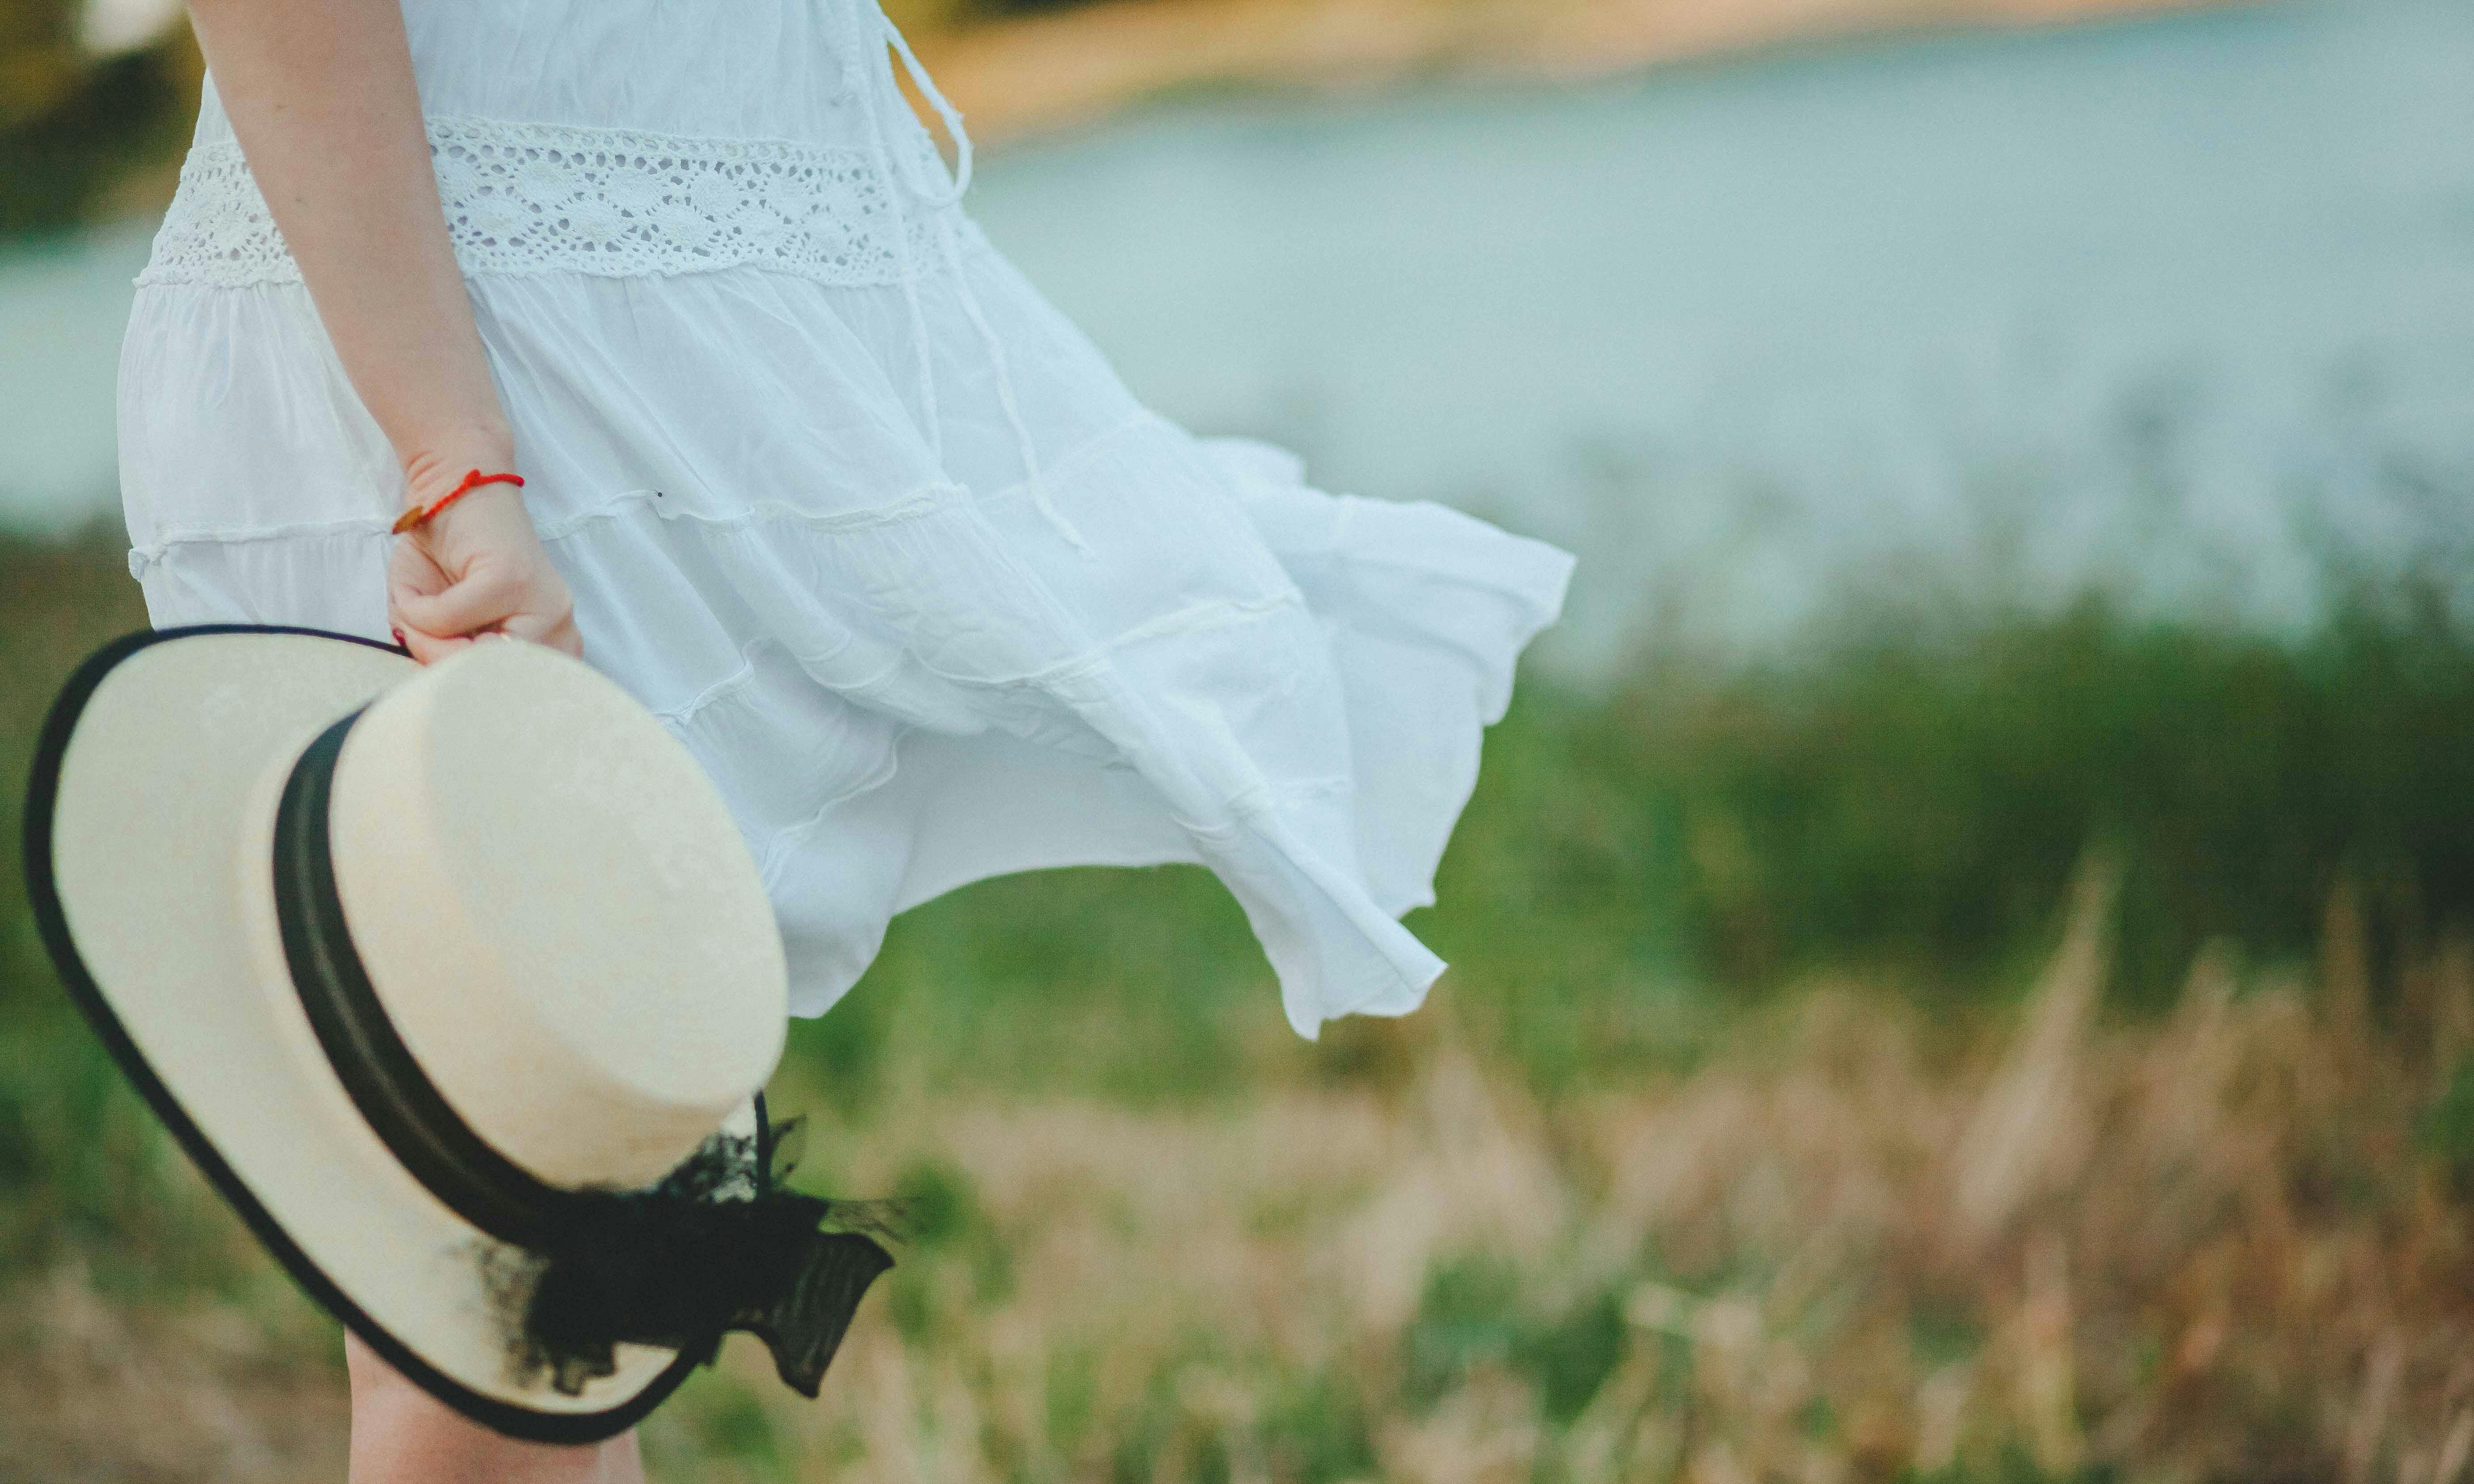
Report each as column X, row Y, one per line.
column 875, row 530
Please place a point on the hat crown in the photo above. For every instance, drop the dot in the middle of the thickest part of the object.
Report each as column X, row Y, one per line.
column 555, row 908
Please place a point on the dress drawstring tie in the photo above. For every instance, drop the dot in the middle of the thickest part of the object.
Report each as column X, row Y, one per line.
column 937, row 195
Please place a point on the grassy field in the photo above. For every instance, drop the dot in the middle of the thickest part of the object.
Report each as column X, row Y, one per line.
column 1987, row 1046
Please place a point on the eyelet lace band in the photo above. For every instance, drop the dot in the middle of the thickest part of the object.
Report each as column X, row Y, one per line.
column 615, row 203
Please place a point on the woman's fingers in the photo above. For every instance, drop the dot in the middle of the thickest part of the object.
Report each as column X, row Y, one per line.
column 437, row 624
column 483, row 598
column 430, row 648
column 556, row 630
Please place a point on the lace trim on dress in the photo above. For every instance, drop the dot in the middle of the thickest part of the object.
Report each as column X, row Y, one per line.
column 615, row 202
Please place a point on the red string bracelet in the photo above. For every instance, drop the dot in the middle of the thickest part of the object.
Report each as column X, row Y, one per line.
column 419, row 514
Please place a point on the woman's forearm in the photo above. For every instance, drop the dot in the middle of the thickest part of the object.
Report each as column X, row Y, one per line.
column 321, row 95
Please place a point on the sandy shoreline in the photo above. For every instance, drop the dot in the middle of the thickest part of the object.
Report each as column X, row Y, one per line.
column 1034, row 74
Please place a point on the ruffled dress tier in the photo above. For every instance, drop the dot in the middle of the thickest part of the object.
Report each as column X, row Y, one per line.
column 873, row 529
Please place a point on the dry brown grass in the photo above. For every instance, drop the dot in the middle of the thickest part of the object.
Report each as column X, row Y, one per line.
column 1858, row 1244
column 94, row 1391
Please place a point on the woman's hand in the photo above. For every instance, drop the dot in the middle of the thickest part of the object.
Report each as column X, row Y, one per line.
column 475, row 569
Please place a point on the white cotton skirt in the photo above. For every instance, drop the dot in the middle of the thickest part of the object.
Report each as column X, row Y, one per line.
column 872, row 528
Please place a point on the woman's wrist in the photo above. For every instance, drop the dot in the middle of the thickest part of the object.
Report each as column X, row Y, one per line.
column 430, row 473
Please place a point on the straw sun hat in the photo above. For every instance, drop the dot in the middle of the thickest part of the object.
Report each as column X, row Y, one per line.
column 459, row 984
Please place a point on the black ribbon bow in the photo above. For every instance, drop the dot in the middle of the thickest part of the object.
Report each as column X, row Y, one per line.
column 718, row 1245
column 682, row 1263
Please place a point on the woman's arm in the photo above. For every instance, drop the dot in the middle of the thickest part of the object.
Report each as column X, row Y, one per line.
column 321, row 95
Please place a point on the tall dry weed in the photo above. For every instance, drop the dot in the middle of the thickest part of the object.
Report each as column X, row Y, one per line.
column 2208, row 1246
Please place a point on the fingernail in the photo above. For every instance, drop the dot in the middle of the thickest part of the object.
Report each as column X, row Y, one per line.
column 398, row 638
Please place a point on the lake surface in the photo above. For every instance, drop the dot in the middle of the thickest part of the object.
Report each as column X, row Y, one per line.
column 2184, row 307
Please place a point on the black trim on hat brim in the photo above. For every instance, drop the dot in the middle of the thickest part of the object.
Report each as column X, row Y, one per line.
column 42, row 789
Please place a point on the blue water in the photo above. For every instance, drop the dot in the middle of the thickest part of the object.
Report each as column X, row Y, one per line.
column 2180, row 306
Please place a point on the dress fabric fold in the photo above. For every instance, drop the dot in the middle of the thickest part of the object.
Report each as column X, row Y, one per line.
column 871, row 526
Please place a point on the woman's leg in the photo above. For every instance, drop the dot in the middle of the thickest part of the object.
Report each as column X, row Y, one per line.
column 402, row 1435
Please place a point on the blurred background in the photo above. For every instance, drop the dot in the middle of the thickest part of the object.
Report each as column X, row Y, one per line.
column 1963, row 955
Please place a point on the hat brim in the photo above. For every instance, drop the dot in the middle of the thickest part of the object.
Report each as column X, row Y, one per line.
column 138, row 809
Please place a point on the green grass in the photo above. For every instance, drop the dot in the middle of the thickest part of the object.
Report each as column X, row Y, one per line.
column 1654, row 906
column 1908, row 797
